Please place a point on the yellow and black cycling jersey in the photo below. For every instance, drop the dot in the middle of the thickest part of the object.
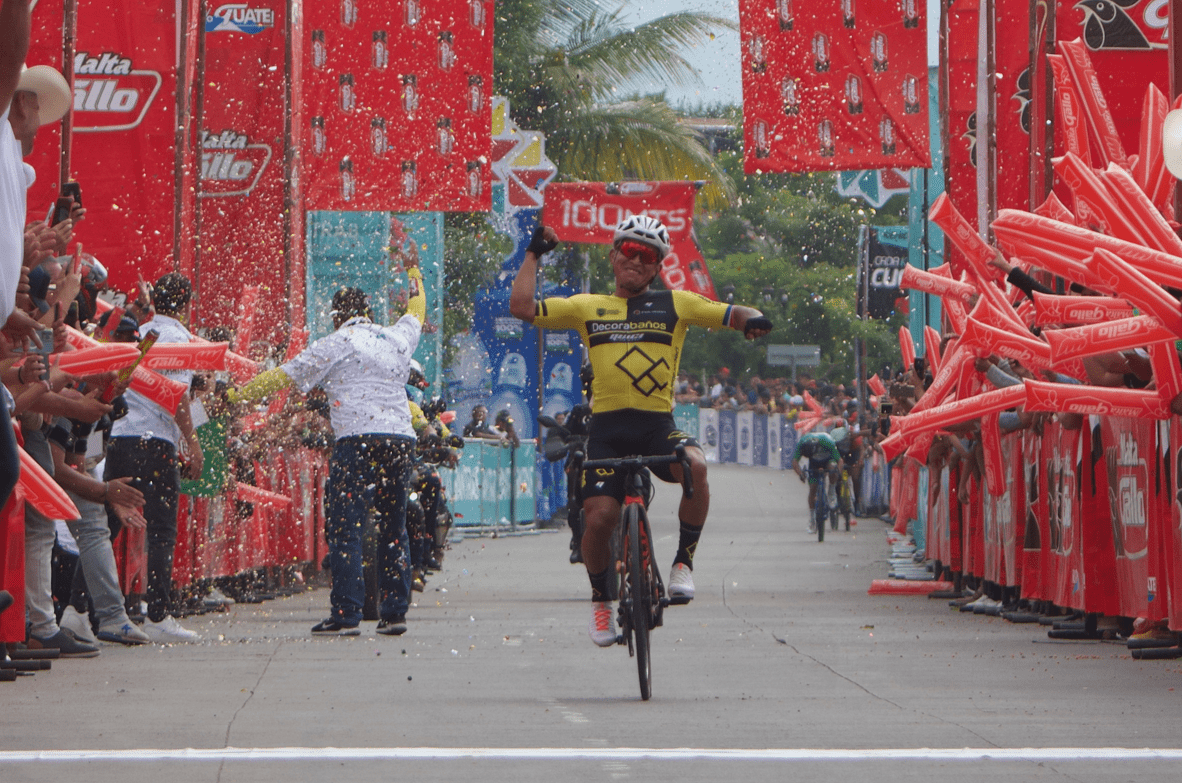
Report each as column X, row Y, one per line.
column 634, row 344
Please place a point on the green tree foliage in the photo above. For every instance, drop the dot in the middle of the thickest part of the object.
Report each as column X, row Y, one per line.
column 789, row 246
column 570, row 70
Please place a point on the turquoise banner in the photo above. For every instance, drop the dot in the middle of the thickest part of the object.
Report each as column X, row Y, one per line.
column 492, row 485
column 368, row 250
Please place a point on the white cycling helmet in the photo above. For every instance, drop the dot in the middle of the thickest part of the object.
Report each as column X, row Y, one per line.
column 642, row 228
column 839, row 434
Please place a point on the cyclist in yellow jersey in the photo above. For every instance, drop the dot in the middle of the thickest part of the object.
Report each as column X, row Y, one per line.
column 633, row 338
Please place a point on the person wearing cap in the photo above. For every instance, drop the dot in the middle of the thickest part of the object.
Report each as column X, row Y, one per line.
column 634, row 338
column 154, row 447
column 363, row 369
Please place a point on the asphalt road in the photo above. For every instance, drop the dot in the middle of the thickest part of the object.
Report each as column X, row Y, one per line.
column 782, row 668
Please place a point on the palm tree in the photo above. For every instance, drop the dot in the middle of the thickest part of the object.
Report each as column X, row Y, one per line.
column 567, row 70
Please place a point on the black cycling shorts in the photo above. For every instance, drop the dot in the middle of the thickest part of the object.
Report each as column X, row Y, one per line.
column 629, row 433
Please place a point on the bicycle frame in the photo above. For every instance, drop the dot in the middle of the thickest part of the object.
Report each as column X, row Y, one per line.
column 641, row 590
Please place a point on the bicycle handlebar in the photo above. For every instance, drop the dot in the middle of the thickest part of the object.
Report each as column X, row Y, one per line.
column 679, row 456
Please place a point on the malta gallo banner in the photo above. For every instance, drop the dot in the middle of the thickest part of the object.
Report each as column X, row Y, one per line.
column 397, row 105
column 241, row 151
column 589, row 212
column 834, row 85
column 124, row 139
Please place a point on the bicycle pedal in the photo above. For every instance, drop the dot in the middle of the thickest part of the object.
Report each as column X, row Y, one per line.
column 621, row 639
column 678, row 600
column 665, row 601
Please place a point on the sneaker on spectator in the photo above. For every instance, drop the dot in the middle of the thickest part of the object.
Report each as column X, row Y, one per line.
column 217, row 598
column 168, row 631
column 335, row 626
column 77, row 624
column 681, row 583
column 123, row 632
column 395, row 626
column 66, row 645
column 603, row 625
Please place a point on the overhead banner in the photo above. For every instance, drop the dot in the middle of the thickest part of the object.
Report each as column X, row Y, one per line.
column 241, row 184
column 589, row 211
column 959, row 64
column 833, row 86
column 124, row 117
column 397, row 96
column 1013, row 90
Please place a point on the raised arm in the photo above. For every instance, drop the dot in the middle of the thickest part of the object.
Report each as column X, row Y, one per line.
column 525, row 285
column 14, row 46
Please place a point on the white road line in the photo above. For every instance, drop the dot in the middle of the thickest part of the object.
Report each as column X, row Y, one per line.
column 596, row 754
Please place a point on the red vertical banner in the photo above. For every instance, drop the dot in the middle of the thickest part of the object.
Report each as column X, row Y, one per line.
column 834, row 85
column 589, row 212
column 1035, row 555
column 959, row 62
column 398, row 105
column 1013, row 90
column 1172, row 539
column 242, row 188
column 124, row 141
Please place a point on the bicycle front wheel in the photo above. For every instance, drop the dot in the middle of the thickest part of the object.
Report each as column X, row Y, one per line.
column 822, row 516
column 640, row 584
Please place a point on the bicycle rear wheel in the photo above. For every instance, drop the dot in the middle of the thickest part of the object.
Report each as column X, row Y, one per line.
column 641, row 589
column 822, row 513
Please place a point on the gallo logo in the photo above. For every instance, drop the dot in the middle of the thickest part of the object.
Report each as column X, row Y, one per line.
column 239, row 18
column 230, row 165
column 109, row 94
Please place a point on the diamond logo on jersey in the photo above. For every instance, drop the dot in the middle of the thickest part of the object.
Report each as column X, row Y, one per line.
column 648, row 376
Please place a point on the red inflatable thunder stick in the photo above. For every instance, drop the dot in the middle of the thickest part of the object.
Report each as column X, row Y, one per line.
column 906, row 347
column 989, row 340
column 1096, row 113
column 938, row 285
column 1109, row 337
column 42, row 492
column 1053, row 208
column 959, row 411
column 875, row 384
column 1099, row 400
column 98, row 359
column 1140, row 211
column 979, row 254
column 1094, row 205
column 165, row 392
column 1069, row 109
column 1049, row 238
column 931, row 346
column 186, row 356
column 1119, row 275
column 261, row 497
column 1052, row 310
column 945, row 380
column 1167, row 375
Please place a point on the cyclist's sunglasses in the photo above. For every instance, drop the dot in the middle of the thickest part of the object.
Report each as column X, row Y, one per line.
column 631, row 249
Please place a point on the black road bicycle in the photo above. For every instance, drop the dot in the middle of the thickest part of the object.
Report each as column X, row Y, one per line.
column 641, row 591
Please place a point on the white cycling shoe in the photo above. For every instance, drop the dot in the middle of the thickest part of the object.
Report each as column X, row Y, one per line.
column 602, row 628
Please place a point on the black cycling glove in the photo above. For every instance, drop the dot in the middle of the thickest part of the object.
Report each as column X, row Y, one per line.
column 538, row 244
column 762, row 322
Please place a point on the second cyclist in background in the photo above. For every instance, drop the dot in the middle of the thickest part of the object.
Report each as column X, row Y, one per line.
column 821, row 451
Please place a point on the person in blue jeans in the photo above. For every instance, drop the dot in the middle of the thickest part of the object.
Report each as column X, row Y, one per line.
column 363, row 369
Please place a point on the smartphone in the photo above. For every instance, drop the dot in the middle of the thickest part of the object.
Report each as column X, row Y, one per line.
column 61, row 210
column 72, row 190
column 887, row 408
column 919, row 365
column 46, row 338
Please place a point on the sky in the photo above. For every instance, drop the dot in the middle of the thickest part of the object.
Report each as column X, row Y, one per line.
column 718, row 60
